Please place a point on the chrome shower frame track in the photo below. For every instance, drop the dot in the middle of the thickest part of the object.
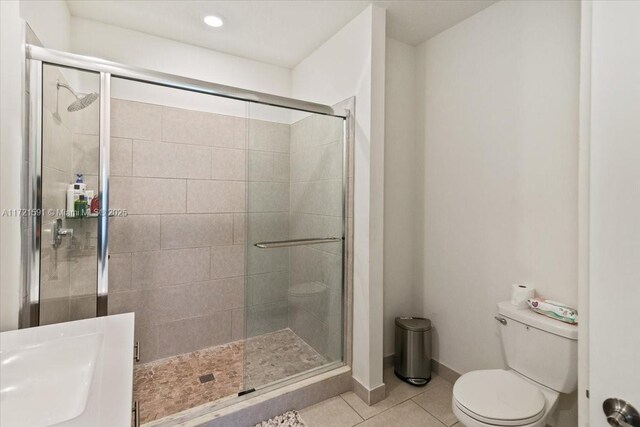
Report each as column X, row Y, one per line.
column 127, row 72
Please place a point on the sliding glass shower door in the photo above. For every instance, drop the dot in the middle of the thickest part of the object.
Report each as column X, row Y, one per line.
column 294, row 244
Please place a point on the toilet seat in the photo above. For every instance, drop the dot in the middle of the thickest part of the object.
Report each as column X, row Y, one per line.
column 499, row 397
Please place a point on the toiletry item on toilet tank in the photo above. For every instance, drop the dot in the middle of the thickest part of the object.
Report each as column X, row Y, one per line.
column 520, row 293
column 554, row 310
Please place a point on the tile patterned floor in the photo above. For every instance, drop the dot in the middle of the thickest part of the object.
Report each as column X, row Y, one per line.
column 405, row 406
column 168, row 386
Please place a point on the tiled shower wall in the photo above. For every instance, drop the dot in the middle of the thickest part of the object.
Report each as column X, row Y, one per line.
column 315, row 296
column 177, row 259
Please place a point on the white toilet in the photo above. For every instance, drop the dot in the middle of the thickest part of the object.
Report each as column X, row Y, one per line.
column 542, row 357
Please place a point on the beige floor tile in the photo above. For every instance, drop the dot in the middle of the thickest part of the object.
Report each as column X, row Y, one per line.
column 397, row 392
column 437, row 401
column 332, row 412
column 407, row 414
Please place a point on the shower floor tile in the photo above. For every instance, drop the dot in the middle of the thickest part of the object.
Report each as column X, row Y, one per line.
column 172, row 385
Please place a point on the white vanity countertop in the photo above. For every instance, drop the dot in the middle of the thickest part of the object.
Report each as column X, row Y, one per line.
column 72, row 374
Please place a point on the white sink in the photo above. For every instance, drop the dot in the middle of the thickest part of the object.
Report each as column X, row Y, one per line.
column 69, row 374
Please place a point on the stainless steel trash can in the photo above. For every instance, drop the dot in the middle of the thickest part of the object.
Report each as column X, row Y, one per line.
column 412, row 361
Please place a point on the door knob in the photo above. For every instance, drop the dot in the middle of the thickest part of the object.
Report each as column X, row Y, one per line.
column 620, row 413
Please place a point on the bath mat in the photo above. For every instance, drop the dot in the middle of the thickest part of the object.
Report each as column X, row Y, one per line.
column 288, row 419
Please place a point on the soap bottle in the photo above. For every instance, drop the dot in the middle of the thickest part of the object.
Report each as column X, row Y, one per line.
column 80, row 207
column 89, row 196
column 80, row 182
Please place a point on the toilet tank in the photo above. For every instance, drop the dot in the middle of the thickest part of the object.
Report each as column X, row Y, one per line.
column 540, row 348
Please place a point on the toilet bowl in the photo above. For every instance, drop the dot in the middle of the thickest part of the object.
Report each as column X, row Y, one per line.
column 499, row 397
column 541, row 355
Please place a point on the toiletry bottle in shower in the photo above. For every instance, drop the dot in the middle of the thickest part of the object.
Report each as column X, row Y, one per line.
column 81, row 207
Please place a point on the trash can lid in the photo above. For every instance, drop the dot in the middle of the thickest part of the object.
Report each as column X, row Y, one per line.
column 414, row 324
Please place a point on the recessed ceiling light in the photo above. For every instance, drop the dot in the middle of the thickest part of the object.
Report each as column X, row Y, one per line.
column 213, row 21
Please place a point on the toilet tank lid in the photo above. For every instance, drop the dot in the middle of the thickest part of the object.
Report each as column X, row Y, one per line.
column 538, row 321
column 414, row 324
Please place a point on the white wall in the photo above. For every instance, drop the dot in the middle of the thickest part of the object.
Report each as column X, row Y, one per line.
column 50, row 20
column 401, row 286
column 11, row 88
column 614, row 233
column 500, row 134
column 155, row 53
column 352, row 63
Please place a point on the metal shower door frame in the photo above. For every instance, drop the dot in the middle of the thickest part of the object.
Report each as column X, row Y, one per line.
column 34, row 193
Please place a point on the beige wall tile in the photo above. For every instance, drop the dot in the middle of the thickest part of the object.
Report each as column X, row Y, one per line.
column 215, row 196
column 56, row 143
column 239, row 228
column 309, row 264
column 267, row 260
column 121, row 162
column 135, row 120
column 229, row 164
column 237, row 324
column 196, row 230
column 54, row 277
column 133, row 301
column 169, row 267
column 86, row 154
column 82, row 307
column 83, row 273
column 134, row 233
column 260, row 165
column 280, row 167
column 268, row 136
column 148, row 195
column 317, row 163
column 301, row 134
column 168, row 160
column 227, row 261
column 317, row 197
column 54, row 191
column 54, row 310
column 119, row 272
column 197, row 127
column 268, row 287
column 265, row 318
column 267, row 226
column 192, row 334
column 268, row 197
column 327, row 129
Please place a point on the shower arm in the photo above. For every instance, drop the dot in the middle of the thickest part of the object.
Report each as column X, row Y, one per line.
column 67, row 87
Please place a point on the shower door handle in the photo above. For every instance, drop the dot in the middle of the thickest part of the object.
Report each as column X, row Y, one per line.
column 297, row 242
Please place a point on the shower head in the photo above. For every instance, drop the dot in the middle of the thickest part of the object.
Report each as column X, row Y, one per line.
column 81, row 101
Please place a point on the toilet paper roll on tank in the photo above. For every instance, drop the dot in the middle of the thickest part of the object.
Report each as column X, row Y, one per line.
column 520, row 293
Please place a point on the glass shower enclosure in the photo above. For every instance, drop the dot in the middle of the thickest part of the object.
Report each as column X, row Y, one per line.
column 217, row 215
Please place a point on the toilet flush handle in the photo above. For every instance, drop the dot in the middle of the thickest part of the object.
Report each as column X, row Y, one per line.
column 500, row 319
